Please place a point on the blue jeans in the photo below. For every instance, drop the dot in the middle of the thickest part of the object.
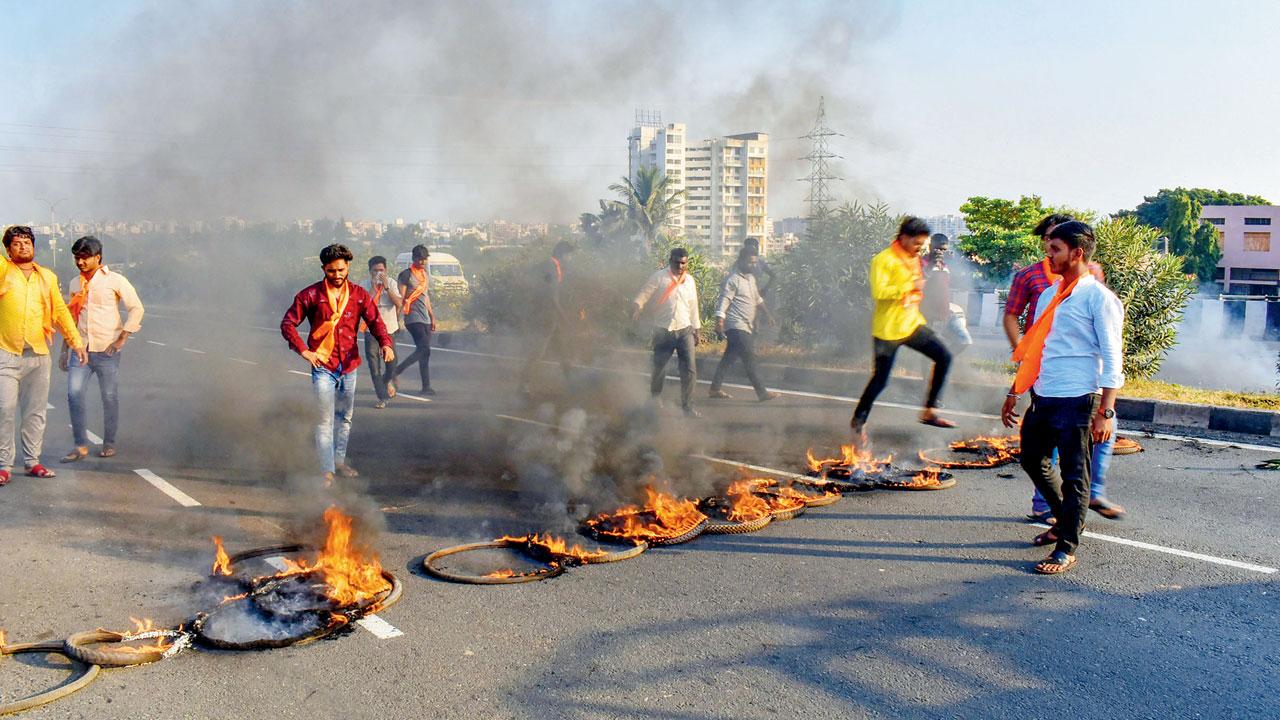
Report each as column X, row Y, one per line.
column 106, row 367
column 1097, row 476
column 336, row 395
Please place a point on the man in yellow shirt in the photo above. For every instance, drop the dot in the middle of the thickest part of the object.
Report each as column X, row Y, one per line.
column 30, row 306
column 897, row 286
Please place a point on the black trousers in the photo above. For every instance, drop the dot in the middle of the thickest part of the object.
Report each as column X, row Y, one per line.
column 923, row 340
column 1065, row 425
column 680, row 342
column 378, row 370
column 741, row 344
column 421, row 334
column 549, row 340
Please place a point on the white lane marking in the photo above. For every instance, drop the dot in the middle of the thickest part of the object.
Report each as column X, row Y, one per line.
column 1098, row 536
column 380, row 628
column 92, row 438
column 193, row 350
column 246, row 362
column 299, row 372
column 902, row 406
column 259, row 327
column 153, row 342
column 1175, row 551
column 412, row 397
column 48, row 406
column 160, row 484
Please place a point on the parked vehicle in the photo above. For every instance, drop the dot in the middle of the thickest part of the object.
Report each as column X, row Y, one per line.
column 444, row 269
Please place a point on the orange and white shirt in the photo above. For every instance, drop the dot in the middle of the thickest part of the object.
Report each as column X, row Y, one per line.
column 100, row 321
column 673, row 301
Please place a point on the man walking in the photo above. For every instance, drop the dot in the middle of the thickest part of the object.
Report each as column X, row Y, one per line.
column 1024, row 293
column 334, row 308
column 897, row 286
column 1070, row 360
column 936, row 305
column 419, row 320
column 736, row 310
column 386, row 295
column 96, row 295
column 31, row 305
column 552, row 326
column 671, row 296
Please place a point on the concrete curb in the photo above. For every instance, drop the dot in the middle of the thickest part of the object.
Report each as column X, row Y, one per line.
column 1144, row 414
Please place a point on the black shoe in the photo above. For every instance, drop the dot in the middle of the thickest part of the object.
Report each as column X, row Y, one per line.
column 427, row 391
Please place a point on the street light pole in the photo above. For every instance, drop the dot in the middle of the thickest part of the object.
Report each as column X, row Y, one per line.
column 53, row 234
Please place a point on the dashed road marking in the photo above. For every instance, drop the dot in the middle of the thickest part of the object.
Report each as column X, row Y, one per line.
column 246, row 362
column 90, row 434
column 153, row 342
column 163, row 486
column 193, row 350
column 380, row 628
column 299, row 372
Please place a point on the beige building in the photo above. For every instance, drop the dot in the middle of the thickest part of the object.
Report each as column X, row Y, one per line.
column 726, row 184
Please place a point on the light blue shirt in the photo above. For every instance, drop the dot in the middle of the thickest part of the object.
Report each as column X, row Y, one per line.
column 1083, row 352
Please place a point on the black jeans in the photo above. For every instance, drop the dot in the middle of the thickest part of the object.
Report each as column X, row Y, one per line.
column 681, row 342
column 421, row 333
column 923, row 340
column 1065, row 425
column 741, row 344
column 549, row 340
column 378, row 369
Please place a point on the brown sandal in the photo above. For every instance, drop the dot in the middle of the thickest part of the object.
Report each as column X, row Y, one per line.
column 1056, row 564
column 75, row 454
column 1045, row 538
column 107, row 451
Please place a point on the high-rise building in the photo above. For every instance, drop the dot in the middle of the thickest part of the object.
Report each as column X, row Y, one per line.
column 725, row 180
column 950, row 225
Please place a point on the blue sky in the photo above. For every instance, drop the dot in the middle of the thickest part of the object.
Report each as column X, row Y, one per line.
column 1090, row 104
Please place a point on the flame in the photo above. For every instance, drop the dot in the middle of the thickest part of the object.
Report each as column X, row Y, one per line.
column 778, row 502
column 663, row 516
column 850, row 458
column 504, row 573
column 996, row 451
column 743, row 505
column 928, row 476
column 221, row 562
column 140, row 626
column 555, row 546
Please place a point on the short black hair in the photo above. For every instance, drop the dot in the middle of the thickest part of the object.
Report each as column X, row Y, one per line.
column 87, row 246
column 752, row 242
column 562, row 248
column 335, row 251
column 912, row 226
column 377, row 260
column 14, row 231
column 748, row 251
column 1049, row 221
column 677, row 253
column 1076, row 234
column 939, row 239
column 420, row 252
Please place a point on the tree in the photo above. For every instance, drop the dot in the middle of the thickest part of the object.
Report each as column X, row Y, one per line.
column 606, row 227
column 1152, row 286
column 999, row 239
column 1176, row 214
column 649, row 202
column 824, row 295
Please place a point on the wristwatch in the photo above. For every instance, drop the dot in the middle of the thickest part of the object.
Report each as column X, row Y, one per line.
column 1108, row 413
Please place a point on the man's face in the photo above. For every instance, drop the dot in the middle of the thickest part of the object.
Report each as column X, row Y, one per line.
column 748, row 264
column 378, row 270
column 88, row 263
column 22, row 249
column 335, row 273
column 679, row 265
column 1062, row 256
column 1045, row 240
column 420, row 263
column 913, row 243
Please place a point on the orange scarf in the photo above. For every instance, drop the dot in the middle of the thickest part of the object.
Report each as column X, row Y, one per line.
column 675, row 283
column 915, row 267
column 327, row 331
column 419, row 274
column 1031, row 347
column 81, row 297
column 559, row 270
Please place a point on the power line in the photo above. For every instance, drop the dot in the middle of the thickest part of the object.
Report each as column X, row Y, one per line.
column 819, row 196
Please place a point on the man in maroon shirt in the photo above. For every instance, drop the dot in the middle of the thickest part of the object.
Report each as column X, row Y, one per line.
column 334, row 307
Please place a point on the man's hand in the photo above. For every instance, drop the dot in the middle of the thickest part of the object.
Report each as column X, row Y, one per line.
column 1102, row 428
column 697, row 337
column 81, row 355
column 312, row 358
column 116, row 346
column 432, row 318
column 635, row 314
column 1009, row 413
column 63, row 358
column 388, row 355
column 720, row 326
column 919, row 284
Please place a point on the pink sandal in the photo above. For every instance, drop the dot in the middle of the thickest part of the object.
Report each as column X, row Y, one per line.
column 41, row 471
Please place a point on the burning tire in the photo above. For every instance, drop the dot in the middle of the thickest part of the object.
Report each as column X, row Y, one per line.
column 431, row 565
column 813, row 494
column 725, row 527
column 843, row 481
column 782, row 507
column 548, row 549
column 77, row 647
column 1125, row 446
column 995, row 451
column 928, row 479
column 85, row 673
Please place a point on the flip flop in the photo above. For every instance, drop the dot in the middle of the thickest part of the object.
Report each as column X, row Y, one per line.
column 107, row 451
column 4, row 478
column 40, row 471
column 75, row 455
column 1045, row 538
column 1044, row 518
column 1107, row 509
column 1056, row 564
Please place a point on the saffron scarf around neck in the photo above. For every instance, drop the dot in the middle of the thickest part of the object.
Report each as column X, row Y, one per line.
column 675, row 283
column 1030, row 348
column 327, row 331
column 420, row 287
column 81, row 298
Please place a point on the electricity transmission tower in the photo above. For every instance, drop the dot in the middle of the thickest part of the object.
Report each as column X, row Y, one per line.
column 819, row 197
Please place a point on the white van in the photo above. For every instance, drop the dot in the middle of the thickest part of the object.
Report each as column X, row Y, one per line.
column 444, row 269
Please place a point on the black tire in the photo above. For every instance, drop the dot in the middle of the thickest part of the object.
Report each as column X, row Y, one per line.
column 724, row 527
column 86, row 674
column 553, row 569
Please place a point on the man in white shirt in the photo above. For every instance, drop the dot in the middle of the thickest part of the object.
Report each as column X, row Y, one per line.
column 736, row 310
column 386, row 295
column 671, row 297
column 94, row 301
column 1071, row 360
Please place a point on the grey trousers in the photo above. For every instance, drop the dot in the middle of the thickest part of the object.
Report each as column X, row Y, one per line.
column 24, row 389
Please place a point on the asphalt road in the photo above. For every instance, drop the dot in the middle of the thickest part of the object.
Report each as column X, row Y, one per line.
column 896, row 605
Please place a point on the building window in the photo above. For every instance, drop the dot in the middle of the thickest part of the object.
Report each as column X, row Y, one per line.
column 1257, row 221
column 1257, row 242
column 1216, row 221
column 1255, row 275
